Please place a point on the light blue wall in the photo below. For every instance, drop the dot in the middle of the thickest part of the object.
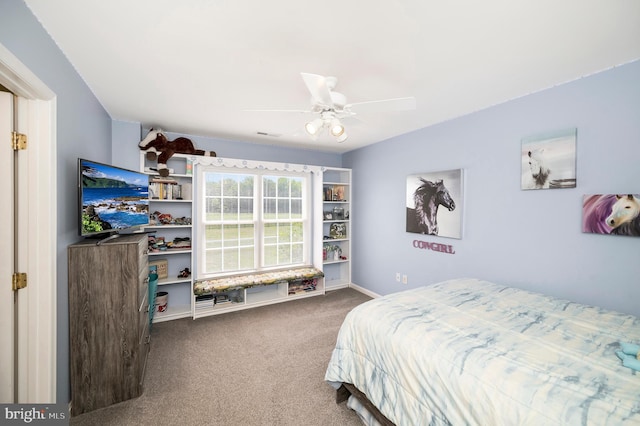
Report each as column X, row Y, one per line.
column 529, row 239
column 83, row 130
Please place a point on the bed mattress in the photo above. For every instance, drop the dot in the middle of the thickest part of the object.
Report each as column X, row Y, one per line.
column 472, row 352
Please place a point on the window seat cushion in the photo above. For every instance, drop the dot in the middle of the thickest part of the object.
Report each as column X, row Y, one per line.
column 233, row 282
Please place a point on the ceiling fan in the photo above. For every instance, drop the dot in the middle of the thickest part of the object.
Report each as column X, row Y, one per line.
column 331, row 106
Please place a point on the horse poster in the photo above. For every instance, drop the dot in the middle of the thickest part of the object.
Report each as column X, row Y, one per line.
column 426, row 192
column 611, row 214
column 549, row 160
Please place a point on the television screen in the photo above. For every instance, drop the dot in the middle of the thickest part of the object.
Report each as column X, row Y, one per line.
column 112, row 199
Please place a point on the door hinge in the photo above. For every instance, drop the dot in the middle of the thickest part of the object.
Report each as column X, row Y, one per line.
column 18, row 281
column 18, row 141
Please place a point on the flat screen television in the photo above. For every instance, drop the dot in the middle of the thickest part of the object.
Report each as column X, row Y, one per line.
column 111, row 200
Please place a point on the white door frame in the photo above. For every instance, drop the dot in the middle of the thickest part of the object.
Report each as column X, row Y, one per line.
column 7, row 349
column 37, row 203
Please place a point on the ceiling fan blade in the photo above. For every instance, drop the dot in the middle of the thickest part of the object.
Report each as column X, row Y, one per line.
column 396, row 104
column 318, row 88
column 301, row 111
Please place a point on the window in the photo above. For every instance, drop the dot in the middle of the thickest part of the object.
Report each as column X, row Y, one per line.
column 253, row 221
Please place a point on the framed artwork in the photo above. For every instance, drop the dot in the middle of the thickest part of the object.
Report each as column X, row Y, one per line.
column 434, row 203
column 611, row 214
column 549, row 160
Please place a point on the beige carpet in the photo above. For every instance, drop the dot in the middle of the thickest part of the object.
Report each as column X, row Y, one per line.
column 262, row 366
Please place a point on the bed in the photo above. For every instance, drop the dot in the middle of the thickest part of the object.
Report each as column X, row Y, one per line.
column 471, row 352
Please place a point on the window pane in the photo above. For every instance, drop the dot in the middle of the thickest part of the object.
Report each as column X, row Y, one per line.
column 247, row 260
column 213, row 209
column 246, row 234
column 296, row 209
column 284, row 232
column 212, row 184
column 230, row 209
column 270, row 255
column 283, row 187
column 230, row 235
column 230, row 259
column 269, row 209
column 297, row 232
column 246, row 186
column 213, row 236
column 297, row 253
column 269, row 186
column 296, row 187
column 213, row 261
column 284, row 255
column 230, row 186
column 246, row 209
column 283, row 209
column 270, row 233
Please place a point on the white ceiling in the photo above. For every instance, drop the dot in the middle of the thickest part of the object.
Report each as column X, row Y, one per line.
column 197, row 66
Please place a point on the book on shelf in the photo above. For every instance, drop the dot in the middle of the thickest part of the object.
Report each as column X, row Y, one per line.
column 334, row 193
column 165, row 190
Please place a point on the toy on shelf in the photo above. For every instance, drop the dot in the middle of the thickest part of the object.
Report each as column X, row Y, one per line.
column 159, row 147
column 157, row 244
column 159, row 219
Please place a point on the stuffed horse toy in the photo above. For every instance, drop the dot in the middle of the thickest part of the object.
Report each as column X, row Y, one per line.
column 158, row 146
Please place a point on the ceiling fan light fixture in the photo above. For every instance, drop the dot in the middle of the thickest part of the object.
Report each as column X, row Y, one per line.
column 314, row 126
column 337, row 129
column 343, row 137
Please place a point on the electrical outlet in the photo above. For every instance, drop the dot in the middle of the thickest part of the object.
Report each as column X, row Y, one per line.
column 404, row 279
column 398, row 276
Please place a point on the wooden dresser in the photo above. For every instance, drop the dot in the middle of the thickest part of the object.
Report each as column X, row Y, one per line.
column 108, row 321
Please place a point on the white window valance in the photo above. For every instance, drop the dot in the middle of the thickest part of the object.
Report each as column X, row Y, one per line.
column 259, row 165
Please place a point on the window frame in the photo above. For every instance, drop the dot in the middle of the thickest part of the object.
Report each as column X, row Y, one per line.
column 258, row 218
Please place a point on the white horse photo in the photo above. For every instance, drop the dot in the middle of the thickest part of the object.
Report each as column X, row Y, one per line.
column 540, row 171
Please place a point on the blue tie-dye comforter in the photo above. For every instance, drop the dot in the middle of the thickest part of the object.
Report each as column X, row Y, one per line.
column 469, row 352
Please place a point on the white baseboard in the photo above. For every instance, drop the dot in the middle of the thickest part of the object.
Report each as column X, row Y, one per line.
column 364, row 291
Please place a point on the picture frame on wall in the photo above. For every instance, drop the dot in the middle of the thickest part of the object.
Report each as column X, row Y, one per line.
column 611, row 214
column 434, row 203
column 549, row 160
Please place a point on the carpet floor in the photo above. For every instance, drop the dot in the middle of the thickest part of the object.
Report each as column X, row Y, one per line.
column 261, row 366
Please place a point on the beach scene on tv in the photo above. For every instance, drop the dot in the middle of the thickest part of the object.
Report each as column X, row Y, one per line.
column 112, row 198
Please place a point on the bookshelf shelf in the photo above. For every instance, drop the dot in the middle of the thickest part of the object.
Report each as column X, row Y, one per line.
column 173, row 195
column 336, row 227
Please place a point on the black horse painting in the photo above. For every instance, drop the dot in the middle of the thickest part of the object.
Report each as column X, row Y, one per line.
column 423, row 219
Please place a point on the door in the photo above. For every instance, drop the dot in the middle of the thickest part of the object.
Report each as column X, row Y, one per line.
column 7, row 229
column 31, row 320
